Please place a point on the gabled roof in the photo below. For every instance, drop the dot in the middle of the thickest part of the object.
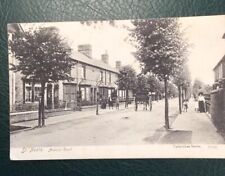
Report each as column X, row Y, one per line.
column 222, row 60
column 93, row 62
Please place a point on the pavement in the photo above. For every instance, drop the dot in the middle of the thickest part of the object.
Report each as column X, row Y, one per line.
column 192, row 128
column 87, row 112
column 122, row 127
column 111, row 127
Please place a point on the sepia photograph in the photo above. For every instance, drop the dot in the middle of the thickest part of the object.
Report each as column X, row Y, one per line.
column 139, row 88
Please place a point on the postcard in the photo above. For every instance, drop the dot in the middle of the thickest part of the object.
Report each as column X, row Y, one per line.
column 142, row 88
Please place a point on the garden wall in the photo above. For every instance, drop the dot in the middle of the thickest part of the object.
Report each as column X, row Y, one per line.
column 217, row 108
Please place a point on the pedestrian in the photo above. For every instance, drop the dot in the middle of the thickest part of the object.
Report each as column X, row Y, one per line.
column 110, row 102
column 185, row 105
column 145, row 105
column 201, row 102
column 136, row 102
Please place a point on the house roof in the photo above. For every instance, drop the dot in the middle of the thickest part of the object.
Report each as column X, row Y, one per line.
column 222, row 60
column 93, row 62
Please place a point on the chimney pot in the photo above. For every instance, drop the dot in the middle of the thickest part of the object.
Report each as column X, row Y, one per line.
column 118, row 64
column 105, row 58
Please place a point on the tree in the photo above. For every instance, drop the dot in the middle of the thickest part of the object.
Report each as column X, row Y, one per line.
column 199, row 86
column 160, row 49
column 155, row 85
column 182, row 80
column 142, row 84
column 172, row 90
column 127, row 80
column 43, row 56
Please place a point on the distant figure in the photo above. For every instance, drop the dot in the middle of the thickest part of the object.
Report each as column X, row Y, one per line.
column 150, row 103
column 145, row 105
column 196, row 105
column 185, row 105
column 110, row 102
column 201, row 102
column 126, row 103
column 117, row 103
column 136, row 102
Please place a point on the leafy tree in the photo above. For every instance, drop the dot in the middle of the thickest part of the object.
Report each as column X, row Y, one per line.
column 142, row 84
column 160, row 49
column 208, row 88
column 43, row 56
column 183, row 81
column 199, row 86
column 172, row 90
column 127, row 80
column 155, row 85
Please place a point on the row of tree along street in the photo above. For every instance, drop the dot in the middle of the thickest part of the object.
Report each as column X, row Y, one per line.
column 162, row 51
column 44, row 56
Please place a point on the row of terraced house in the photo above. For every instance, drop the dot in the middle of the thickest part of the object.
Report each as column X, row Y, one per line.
column 89, row 75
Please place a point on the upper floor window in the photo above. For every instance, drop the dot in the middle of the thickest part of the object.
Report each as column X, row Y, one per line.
column 83, row 72
column 110, row 77
column 101, row 75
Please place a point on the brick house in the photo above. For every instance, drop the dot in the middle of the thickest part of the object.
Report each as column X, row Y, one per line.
column 90, row 75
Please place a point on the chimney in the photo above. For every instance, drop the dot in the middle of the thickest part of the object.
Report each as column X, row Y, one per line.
column 105, row 58
column 85, row 49
column 118, row 65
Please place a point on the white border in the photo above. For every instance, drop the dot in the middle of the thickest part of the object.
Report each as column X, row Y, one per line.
column 113, row 152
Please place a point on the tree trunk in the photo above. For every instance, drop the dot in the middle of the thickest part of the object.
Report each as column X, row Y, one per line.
column 127, row 98
column 42, row 104
column 166, row 106
column 24, row 98
column 185, row 93
column 32, row 91
column 39, row 112
column 97, row 102
column 180, row 104
column 182, row 95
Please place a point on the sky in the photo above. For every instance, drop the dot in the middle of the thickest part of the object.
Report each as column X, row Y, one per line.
column 207, row 45
column 203, row 33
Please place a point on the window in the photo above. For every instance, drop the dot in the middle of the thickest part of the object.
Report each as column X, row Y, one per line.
column 82, row 89
column 37, row 93
column 28, row 93
column 83, row 72
column 109, row 77
column 101, row 75
column 69, row 92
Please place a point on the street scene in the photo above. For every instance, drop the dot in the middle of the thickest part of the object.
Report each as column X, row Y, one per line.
column 119, row 82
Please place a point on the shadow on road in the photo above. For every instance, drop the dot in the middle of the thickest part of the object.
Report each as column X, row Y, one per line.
column 160, row 131
column 177, row 137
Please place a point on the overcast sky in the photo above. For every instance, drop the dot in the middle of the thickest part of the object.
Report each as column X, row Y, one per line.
column 203, row 33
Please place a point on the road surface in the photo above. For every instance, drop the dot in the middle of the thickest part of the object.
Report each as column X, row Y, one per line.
column 122, row 127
